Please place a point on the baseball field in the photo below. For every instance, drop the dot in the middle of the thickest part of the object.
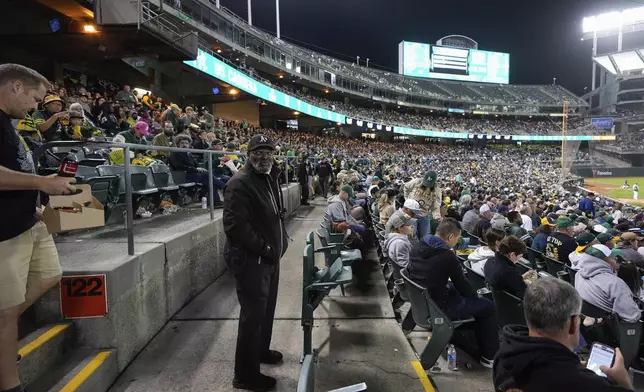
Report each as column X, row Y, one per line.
column 612, row 187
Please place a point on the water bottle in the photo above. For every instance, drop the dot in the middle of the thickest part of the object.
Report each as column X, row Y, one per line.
column 204, row 203
column 451, row 358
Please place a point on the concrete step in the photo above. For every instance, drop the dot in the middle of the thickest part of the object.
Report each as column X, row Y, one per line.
column 82, row 370
column 42, row 349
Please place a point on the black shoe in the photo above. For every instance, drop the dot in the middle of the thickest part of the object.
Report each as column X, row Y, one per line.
column 272, row 357
column 218, row 204
column 260, row 383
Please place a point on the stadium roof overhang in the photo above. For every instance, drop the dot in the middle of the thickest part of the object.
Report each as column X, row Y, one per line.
column 625, row 62
column 69, row 43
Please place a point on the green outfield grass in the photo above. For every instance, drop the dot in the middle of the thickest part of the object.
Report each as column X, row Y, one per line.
column 610, row 187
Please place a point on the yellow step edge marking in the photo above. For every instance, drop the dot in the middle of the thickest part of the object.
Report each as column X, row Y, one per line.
column 422, row 376
column 42, row 339
column 87, row 371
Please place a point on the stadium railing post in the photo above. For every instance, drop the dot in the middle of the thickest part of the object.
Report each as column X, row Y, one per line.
column 210, row 189
column 129, row 208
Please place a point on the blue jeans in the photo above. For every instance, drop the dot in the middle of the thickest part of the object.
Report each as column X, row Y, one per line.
column 358, row 228
column 202, row 178
column 422, row 227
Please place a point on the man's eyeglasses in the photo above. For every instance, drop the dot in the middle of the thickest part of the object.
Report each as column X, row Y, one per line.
column 262, row 154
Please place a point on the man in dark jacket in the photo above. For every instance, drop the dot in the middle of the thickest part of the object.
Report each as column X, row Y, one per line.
column 431, row 263
column 183, row 161
column 303, row 179
column 539, row 357
column 324, row 171
column 255, row 241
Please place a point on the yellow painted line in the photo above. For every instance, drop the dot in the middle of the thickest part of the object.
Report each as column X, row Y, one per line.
column 422, row 376
column 42, row 339
column 87, row 371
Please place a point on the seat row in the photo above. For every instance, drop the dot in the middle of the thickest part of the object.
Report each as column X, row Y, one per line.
column 150, row 185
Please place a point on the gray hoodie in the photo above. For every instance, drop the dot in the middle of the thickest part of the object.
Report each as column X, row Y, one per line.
column 398, row 248
column 599, row 285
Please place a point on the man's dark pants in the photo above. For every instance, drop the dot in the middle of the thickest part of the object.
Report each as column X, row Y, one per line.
column 305, row 192
column 324, row 184
column 460, row 308
column 257, row 293
column 485, row 325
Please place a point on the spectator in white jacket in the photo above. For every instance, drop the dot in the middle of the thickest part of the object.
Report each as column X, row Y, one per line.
column 479, row 257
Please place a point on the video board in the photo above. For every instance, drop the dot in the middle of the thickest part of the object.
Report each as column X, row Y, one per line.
column 441, row 62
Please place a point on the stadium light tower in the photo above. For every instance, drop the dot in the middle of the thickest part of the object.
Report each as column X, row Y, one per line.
column 250, row 13
column 277, row 17
column 610, row 24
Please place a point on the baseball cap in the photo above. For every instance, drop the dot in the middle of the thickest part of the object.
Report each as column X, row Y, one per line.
column 413, row 205
column 584, row 238
column 51, row 98
column 484, row 208
column 550, row 219
column 563, row 222
column 261, row 142
column 630, row 236
column 347, row 189
column 429, row 179
column 230, row 146
column 142, row 127
column 375, row 178
column 599, row 250
column 400, row 220
column 603, row 238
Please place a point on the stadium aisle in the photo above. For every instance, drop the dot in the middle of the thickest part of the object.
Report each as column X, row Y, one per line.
column 357, row 336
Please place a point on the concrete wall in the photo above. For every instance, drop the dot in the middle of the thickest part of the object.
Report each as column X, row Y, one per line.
column 239, row 110
column 171, row 266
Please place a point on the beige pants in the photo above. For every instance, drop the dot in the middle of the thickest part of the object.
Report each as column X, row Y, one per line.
column 33, row 255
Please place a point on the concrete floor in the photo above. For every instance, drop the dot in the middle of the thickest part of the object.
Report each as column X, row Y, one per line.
column 357, row 337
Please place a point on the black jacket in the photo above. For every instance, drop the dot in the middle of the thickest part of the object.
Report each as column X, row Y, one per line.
column 324, row 169
column 503, row 274
column 431, row 263
column 253, row 217
column 533, row 364
column 182, row 161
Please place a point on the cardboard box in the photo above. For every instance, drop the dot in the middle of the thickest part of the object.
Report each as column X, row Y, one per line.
column 88, row 212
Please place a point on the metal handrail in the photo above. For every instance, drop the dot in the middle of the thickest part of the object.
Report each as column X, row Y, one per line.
column 127, row 147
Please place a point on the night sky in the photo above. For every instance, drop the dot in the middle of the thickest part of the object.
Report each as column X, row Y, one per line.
column 543, row 37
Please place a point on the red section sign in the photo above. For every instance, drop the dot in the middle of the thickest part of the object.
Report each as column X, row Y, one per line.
column 83, row 296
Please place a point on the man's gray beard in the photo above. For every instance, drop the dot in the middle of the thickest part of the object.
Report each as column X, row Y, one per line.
column 257, row 168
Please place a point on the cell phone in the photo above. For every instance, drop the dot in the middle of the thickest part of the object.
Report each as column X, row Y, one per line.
column 600, row 355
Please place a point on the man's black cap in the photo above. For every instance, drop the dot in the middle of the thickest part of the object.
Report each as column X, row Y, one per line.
column 259, row 142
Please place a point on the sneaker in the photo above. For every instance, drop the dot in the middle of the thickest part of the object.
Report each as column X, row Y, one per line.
column 19, row 358
column 260, row 383
column 272, row 357
column 487, row 363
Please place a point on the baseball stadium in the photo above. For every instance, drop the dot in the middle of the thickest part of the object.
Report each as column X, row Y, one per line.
column 337, row 196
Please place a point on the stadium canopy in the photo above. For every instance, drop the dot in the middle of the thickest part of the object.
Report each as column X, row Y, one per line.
column 628, row 61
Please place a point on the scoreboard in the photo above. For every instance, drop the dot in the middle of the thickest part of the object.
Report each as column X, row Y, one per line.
column 442, row 62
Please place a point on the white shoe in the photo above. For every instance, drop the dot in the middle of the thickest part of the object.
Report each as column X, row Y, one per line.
column 486, row 363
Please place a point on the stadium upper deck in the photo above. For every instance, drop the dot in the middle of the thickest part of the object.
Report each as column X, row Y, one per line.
column 272, row 53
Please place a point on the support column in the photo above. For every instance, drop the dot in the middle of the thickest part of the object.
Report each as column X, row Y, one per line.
column 277, row 17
